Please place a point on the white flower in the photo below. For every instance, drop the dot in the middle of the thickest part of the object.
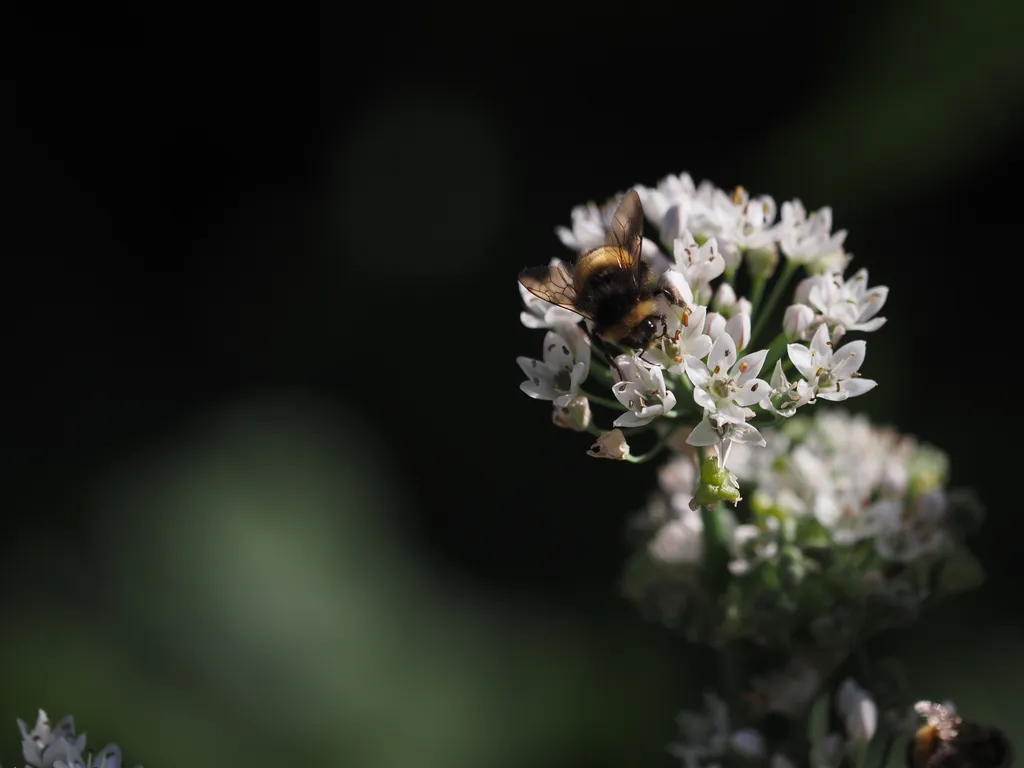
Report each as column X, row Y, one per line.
column 565, row 366
column 915, row 530
column 747, row 743
column 785, row 397
column 842, row 305
column 698, row 264
column 714, row 325
column 684, row 338
column 590, row 225
column 723, row 435
column 788, row 690
column 680, row 541
column 738, row 326
column 797, row 322
column 725, row 298
column 642, row 390
column 808, row 239
column 538, row 313
column 574, row 415
column 833, row 375
column 750, row 545
column 671, row 191
column 726, row 386
column 847, row 519
column 610, row 445
column 858, row 711
column 709, row 736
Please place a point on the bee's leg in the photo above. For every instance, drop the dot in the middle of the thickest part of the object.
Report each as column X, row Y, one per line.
column 607, row 351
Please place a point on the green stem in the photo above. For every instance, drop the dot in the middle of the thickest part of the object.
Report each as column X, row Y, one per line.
column 890, row 740
column 655, row 450
column 775, row 351
column 773, row 298
column 757, row 294
column 607, row 402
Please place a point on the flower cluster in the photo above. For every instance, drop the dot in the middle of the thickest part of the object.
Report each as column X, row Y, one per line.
column 847, row 529
column 47, row 746
column 843, row 529
column 710, row 371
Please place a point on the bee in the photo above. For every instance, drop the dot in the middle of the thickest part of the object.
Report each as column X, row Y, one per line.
column 948, row 741
column 611, row 285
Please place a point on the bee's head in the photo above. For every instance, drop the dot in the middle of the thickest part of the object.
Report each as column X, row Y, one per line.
column 646, row 332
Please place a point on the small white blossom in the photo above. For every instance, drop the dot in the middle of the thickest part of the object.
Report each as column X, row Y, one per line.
column 610, row 445
column 680, row 541
column 751, row 545
column 714, row 325
column 858, row 711
column 738, row 326
column 913, row 531
column 698, row 264
column 723, row 435
column 564, row 367
column 798, row 322
column 835, row 376
column 842, row 305
column 538, row 313
column 725, row 298
column 671, row 191
column 574, row 415
column 726, row 386
column 786, row 397
column 681, row 340
column 808, row 239
column 642, row 390
column 709, row 736
column 787, row 691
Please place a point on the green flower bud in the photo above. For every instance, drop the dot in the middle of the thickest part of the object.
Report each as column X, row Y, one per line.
column 716, row 484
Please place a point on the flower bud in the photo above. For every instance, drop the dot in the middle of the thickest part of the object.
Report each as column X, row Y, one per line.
column 762, row 262
column 725, row 299
column 747, row 743
column 574, row 415
column 714, row 325
column 739, row 328
column 716, row 484
column 858, row 711
column 610, row 445
column 796, row 322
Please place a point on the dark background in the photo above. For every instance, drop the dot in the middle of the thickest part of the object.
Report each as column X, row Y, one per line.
column 273, row 491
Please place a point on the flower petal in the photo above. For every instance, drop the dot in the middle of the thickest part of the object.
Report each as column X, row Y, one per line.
column 752, row 392
column 631, row 419
column 855, row 387
column 704, row 434
column 696, row 346
column 749, row 366
column 625, row 393
column 821, row 349
column 696, row 371
column 738, row 326
column 704, row 399
column 539, row 389
column 800, row 356
column 870, row 325
column 557, row 353
column 848, row 359
column 723, row 354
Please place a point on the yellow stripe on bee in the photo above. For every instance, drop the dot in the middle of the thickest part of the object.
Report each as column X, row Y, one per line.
column 597, row 260
column 621, row 329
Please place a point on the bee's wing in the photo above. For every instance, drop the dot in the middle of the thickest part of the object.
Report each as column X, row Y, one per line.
column 627, row 233
column 552, row 283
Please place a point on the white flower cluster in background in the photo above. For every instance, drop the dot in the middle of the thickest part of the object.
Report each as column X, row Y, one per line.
column 717, row 362
column 47, row 746
column 846, row 528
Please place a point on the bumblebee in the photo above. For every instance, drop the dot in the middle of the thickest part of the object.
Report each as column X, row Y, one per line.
column 948, row 741
column 611, row 285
